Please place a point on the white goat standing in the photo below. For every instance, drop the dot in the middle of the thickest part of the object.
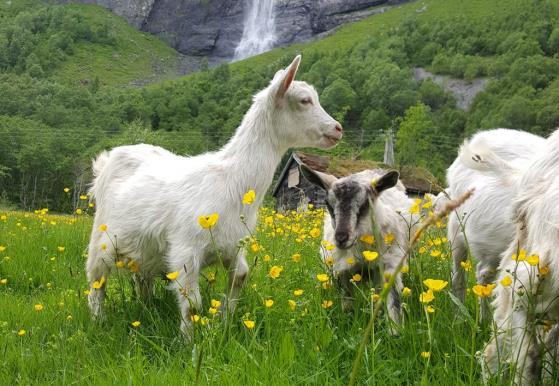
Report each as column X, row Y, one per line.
column 529, row 285
column 372, row 202
column 483, row 223
column 150, row 199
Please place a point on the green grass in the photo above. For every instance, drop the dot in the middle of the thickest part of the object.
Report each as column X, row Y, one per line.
column 308, row 345
column 136, row 56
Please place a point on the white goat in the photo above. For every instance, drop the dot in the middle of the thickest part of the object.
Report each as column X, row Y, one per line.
column 529, row 284
column 483, row 223
column 150, row 199
column 372, row 202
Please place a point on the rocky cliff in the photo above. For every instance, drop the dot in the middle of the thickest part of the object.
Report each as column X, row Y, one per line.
column 213, row 28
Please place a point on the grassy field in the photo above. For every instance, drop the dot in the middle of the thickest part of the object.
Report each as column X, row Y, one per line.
column 47, row 337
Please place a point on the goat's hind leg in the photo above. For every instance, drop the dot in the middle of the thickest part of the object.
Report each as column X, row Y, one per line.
column 98, row 268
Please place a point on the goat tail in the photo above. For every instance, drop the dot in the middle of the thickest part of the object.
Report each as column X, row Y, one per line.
column 98, row 165
column 478, row 156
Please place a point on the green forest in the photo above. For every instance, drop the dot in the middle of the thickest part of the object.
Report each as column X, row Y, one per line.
column 68, row 76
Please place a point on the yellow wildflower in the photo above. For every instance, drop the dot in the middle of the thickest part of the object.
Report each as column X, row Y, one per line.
column 327, row 303
column 356, row 278
column 426, row 297
column 98, row 284
column 268, row 303
column 120, row 264
column 298, row 292
column 521, row 256
column 249, row 197
column 430, row 309
column 66, row 190
column 414, row 209
column 83, row 197
column 275, row 271
column 425, row 354
column 405, row 269
column 38, row 307
column 435, row 284
column 249, row 324
column 422, row 250
column 173, row 275
column 212, row 310
column 315, row 232
column 533, row 260
column 134, row 266
column 103, row 227
column 483, row 291
column 215, row 303
column 292, row 304
column 375, row 297
column 296, row 257
column 208, row 222
column 544, row 270
column 79, row 211
column 103, row 246
column 195, row 318
column 136, row 323
column 506, row 281
column 388, row 239
column 21, row 332
column 435, row 253
column 329, row 261
column 467, row 265
column 255, row 247
column 406, row 291
column 368, row 239
column 370, row 255
column 350, row 260
column 322, row 277
column 61, row 249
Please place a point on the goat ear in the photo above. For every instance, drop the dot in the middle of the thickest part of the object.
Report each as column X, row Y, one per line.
column 284, row 80
column 322, row 180
column 389, row 180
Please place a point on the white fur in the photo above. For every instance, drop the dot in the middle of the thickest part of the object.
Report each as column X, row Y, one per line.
column 483, row 223
column 536, row 212
column 389, row 214
column 150, row 198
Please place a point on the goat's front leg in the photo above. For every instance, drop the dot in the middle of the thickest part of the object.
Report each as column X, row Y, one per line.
column 187, row 287
column 459, row 256
column 486, row 273
column 237, row 269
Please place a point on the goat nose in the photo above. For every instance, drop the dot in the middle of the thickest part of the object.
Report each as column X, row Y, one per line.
column 342, row 237
column 339, row 128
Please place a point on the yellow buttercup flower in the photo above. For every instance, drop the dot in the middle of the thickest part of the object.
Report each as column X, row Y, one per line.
column 368, row 239
column 83, row 197
column 506, row 281
column 414, row 209
column 322, row 277
column 173, row 275
column 275, row 271
column 298, row 292
column 521, row 256
column 426, row 297
column 296, row 257
column 212, row 310
column 266, row 258
column 79, row 211
column 249, row 197
column 327, row 303
column 533, row 260
column 406, row 291
column 422, row 250
column 483, row 291
column 430, row 309
column 208, row 222
column 375, row 297
column 136, row 323
column 103, row 227
column 195, row 318
column 255, row 247
column 98, row 284
column 435, row 253
column 133, row 266
column 249, row 324
column 66, row 190
column 544, row 271
column 2, row 248
column 4, row 281
column 356, row 278
column 329, row 261
column 315, row 232
column 61, row 249
column 268, row 303
column 467, row 265
column 350, row 260
column 370, row 255
column 120, row 264
column 38, row 307
column 435, row 284
column 405, row 269
column 425, row 354
column 21, row 332
column 215, row 303
column 292, row 304
column 388, row 238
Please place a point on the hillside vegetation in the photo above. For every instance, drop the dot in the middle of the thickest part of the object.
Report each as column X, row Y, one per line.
column 52, row 123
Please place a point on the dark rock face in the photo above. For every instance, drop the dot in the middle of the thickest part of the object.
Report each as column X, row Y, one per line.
column 213, row 28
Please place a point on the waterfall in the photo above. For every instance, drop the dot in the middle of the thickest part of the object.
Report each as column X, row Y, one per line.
column 259, row 30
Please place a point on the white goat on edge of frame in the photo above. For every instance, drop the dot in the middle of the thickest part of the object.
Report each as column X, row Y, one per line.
column 484, row 222
column 150, row 199
column 531, row 291
column 371, row 202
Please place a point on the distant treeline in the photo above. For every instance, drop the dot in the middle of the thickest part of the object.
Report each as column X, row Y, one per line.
column 49, row 130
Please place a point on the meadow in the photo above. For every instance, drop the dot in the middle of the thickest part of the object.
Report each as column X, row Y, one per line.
column 289, row 327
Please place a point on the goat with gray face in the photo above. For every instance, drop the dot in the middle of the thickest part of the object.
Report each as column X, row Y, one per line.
column 371, row 202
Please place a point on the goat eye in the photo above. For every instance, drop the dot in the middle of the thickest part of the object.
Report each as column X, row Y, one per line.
column 306, row 101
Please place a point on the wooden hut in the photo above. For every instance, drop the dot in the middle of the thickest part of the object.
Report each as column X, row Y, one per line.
column 292, row 190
